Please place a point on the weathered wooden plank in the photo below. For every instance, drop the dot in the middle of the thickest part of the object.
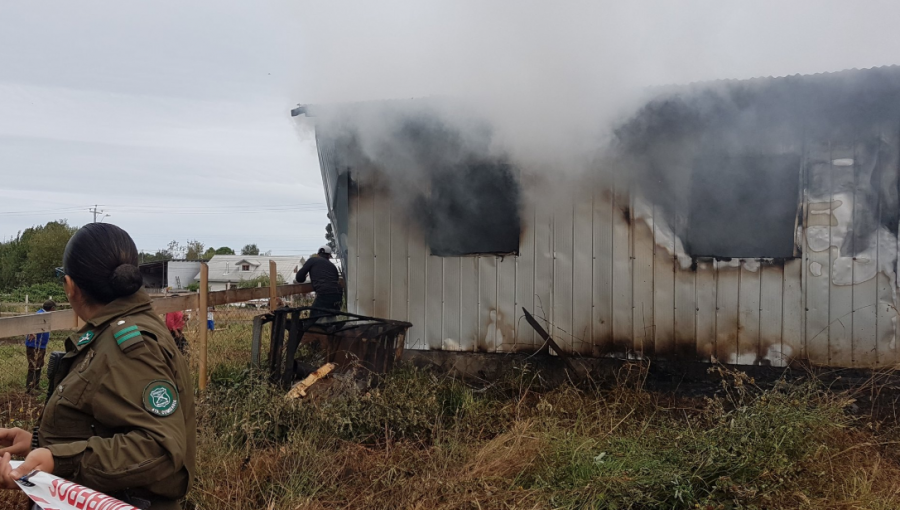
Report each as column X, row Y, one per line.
column 685, row 314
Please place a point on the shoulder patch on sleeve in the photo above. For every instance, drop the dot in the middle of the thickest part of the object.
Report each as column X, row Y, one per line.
column 127, row 335
column 160, row 398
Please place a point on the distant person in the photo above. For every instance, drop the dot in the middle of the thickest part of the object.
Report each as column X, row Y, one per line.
column 210, row 318
column 175, row 325
column 325, row 280
column 35, row 348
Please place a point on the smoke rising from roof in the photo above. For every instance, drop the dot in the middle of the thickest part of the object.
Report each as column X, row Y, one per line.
column 553, row 78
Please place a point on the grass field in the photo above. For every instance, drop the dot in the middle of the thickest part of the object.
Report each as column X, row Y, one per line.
column 423, row 440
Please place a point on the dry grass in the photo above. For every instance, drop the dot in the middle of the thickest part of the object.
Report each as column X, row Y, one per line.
column 422, row 440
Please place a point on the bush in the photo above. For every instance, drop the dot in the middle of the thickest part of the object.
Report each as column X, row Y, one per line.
column 36, row 293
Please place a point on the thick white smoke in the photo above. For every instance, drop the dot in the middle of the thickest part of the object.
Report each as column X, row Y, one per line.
column 552, row 78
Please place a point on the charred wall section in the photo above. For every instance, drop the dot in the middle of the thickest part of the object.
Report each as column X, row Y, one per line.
column 461, row 194
column 718, row 154
column 759, row 226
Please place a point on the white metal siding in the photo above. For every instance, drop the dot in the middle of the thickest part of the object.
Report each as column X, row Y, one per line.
column 606, row 281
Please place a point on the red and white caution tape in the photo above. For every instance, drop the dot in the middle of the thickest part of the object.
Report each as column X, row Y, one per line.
column 54, row 493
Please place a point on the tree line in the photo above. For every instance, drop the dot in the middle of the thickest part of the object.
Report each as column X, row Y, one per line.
column 30, row 259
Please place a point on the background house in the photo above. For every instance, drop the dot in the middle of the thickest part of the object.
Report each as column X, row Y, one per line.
column 173, row 274
column 750, row 222
column 228, row 271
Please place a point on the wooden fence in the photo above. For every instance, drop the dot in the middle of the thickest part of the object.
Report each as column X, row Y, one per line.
column 66, row 320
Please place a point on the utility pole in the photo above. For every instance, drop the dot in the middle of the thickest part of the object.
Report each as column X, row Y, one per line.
column 97, row 211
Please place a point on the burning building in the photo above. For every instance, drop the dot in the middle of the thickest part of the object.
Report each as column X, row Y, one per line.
column 750, row 222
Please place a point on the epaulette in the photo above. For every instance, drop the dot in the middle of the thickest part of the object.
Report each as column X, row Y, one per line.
column 126, row 334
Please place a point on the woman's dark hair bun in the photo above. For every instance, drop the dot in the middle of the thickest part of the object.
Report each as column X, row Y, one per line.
column 102, row 260
column 126, row 280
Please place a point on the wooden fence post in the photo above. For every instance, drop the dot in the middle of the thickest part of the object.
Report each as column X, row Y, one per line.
column 273, row 284
column 201, row 315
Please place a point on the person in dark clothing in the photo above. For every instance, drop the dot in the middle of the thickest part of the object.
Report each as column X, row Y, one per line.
column 325, row 280
column 35, row 347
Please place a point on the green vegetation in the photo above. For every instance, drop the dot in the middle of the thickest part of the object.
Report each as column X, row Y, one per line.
column 421, row 439
column 33, row 255
column 37, row 293
column 259, row 281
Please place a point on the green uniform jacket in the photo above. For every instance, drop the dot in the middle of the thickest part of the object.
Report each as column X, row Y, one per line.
column 121, row 417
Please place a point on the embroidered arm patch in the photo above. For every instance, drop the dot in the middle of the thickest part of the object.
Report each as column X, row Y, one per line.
column 160, row 398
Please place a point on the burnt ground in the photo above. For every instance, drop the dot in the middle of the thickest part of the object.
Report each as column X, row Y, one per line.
column 876, row 393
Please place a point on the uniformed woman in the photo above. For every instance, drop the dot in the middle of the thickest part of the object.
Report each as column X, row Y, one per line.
column 121, row 418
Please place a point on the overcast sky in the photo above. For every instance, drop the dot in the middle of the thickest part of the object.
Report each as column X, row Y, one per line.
column 174, row 116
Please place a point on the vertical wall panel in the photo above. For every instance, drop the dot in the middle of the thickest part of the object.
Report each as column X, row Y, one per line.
column 543, row 265
column 623, row 286
column 771, row 304
column 451, row 304
column 468, row 304
column 381, row 306
column 582, row 270
column 643, row 287
column 603, row 269
column 663, row 293
column 366, row 248
column 841, row 318
column 865, row 290
column 727, row 295
column 352, row 271
column 706, row 308
column 506, row 303
column 434, row 301
column 886, row 325
column 685, row 333
column 563, row 247
column 818, row 254
column 399, row 265
column 525, row 335
column 748, row 343
column 792, row 338
column 487, row 303
column 417, row 255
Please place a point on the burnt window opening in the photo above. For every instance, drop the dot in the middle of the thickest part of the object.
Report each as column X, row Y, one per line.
column 473, row 209
column 743, row 206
